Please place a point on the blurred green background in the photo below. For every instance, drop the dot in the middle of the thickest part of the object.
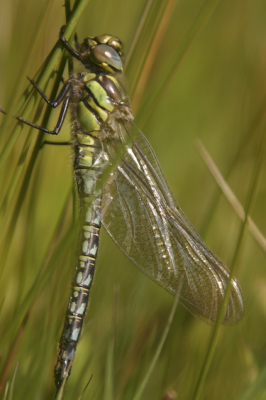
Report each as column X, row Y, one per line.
column 215, row 93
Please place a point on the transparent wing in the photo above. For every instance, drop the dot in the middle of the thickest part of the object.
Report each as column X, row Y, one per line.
column 145, row 221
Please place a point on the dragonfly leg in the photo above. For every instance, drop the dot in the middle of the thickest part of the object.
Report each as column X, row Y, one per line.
column 60, row 97
column 67, row 46
column 55, row 143
column 59, row 124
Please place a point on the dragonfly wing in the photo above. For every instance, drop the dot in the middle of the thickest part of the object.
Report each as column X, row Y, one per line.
column 206, row 277
column 143, row 218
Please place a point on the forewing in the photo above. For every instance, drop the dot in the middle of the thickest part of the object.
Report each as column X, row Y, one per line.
column 143, row 218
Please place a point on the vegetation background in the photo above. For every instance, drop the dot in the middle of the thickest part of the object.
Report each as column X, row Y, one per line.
column 215, row 93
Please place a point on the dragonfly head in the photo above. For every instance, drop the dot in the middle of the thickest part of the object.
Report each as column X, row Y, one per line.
column 103, row 51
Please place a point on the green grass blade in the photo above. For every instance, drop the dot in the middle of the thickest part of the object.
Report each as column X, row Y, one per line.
column 51, row 64
column 142, row 386
column 231, row 197
column 204, row 13
column 53, row 60
column 11, row 388
column 249, row 203
column 109, row 375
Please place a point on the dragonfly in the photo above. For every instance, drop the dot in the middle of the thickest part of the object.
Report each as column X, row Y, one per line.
column 122, row 187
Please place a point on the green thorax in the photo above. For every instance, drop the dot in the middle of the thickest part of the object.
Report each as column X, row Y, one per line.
column 100, row 97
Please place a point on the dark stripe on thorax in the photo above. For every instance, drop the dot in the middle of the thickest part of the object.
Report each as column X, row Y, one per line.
column 97, row 117
column 91, row 94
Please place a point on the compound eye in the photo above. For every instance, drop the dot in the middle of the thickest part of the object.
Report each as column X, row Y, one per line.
column 103, row 54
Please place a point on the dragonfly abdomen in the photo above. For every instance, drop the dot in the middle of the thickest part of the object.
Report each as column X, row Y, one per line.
column 80, row 290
